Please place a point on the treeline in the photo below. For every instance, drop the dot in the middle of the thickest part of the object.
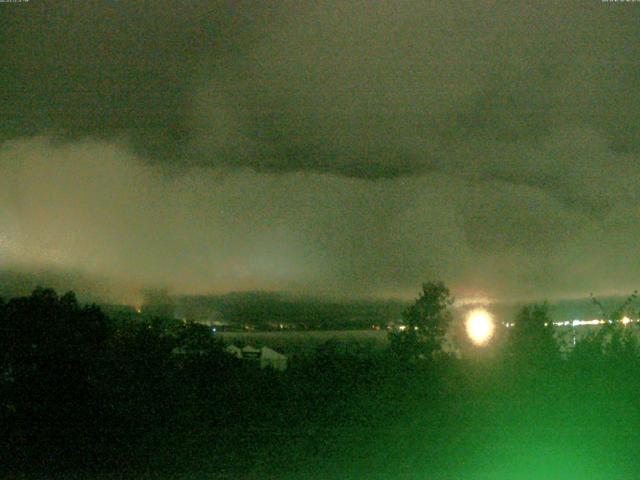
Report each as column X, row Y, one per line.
column 80, row 391
column 76, row 386
column 83, row 393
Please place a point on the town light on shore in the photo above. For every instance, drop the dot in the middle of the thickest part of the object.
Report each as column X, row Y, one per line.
column 479, row 326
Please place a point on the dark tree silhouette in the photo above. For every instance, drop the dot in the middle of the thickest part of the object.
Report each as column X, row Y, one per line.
column 51, row 350
column 49, row 338
column 615, row 314
column 615, row 341
column 425, row 323
column 532, row 341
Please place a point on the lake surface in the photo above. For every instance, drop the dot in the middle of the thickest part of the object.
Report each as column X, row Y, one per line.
column 303, row 343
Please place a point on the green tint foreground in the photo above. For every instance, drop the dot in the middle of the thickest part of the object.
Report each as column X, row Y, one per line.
column 373, row 420
column 468, row 422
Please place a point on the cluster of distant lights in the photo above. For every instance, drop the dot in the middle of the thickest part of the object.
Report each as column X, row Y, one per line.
column 480, row 325
column 582, row 323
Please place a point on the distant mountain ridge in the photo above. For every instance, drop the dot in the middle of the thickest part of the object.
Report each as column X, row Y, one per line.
column 272, row 310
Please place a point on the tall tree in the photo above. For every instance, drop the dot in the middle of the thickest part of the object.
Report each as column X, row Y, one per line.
column 532, row 341
column 426, row 323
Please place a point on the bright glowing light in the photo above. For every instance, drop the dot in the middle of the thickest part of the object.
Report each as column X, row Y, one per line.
column 626, row 320
column 480, row 326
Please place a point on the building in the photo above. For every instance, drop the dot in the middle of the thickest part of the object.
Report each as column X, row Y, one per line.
column 265, row 356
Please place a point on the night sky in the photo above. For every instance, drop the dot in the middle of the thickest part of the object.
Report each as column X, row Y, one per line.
column 320, row 147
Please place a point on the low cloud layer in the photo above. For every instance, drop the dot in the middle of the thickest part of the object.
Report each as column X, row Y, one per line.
column 96, row 208
column 349, row 148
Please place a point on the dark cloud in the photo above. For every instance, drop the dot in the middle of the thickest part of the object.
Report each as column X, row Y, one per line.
column 348, row 147
column 346, row 87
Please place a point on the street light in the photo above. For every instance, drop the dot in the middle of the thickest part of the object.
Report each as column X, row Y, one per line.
column 480, row 326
